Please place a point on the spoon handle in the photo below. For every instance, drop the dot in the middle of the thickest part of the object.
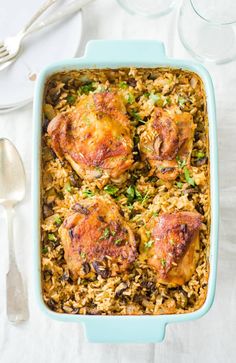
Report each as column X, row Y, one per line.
column 17, row 306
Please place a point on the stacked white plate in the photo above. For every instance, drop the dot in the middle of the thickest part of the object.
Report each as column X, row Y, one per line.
column 55, row 42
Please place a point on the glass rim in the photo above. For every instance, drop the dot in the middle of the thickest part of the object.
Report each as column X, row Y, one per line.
column 196, row 54
column 139, row 13
column 209, row 20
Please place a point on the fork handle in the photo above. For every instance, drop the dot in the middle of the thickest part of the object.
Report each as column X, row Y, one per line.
column 59, row 15
column 39, row 12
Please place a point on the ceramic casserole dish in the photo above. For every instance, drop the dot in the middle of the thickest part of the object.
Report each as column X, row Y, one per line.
column 112, row 55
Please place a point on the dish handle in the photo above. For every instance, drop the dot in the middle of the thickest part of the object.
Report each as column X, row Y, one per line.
column 122, row 329
column 125, row 51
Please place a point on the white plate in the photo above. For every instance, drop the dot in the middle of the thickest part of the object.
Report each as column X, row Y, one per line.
column 55, row 42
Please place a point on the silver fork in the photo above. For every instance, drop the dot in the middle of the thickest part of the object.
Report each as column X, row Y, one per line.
column 10, row 46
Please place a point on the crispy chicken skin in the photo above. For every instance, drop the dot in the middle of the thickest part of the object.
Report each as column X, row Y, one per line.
column 96, row 238
column 95, row 137
column 174, row 250
column 165, row 140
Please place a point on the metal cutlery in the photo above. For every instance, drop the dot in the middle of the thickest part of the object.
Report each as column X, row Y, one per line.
column 10, row 47
column 12, row 191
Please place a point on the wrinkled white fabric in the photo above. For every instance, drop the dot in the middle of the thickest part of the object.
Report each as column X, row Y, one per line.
column 210, row 339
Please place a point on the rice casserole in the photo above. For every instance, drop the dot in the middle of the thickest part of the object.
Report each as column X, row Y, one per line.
column 132, row 262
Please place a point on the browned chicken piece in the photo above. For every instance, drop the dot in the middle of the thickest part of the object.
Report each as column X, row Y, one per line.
column 167, row 140
column 95, row 138
column 173, row 250
column 96, row 238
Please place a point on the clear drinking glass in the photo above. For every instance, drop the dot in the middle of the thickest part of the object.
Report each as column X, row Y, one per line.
column 148, row 8
column 207, row 29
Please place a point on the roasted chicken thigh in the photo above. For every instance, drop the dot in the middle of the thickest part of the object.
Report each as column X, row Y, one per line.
column 95, row 138
column 97, row 238
column 166, row 141
column 173, row 248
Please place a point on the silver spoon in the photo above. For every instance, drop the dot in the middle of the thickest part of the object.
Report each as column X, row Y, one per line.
column 12, row 191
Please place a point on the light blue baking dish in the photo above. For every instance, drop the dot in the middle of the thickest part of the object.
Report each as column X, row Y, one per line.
column 116, row 54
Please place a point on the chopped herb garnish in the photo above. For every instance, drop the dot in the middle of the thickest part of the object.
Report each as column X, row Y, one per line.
column 68, row 187
column 155, row 214
column 44, row 250
column 52, row 237
column 200, row 155
column 181, row 101
column 181, row 163
column 148, row 244
column 148, row 233
column 188, row 179
column 111, row 189
column 138, row 194
column 130, row 98
column 163, row 262
column 71, row 99
column 106, row 234
column 83, row 254
column 88, row 193
column 136, row 116
column 113, row 233
column 146, row 94
column 118, row 241
column 58, row 220
column 86, row 88
column 123, row 85
column 179, row 185
column 156, row 99
column 130, row 192
column 167, row 101
column 133, row 194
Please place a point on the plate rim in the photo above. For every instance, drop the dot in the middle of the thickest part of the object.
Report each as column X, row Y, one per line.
column 6, row 108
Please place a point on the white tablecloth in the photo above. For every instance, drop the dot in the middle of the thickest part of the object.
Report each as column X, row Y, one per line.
column 210, row 339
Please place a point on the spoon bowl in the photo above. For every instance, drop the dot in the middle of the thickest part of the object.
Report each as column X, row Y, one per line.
column 12, row 174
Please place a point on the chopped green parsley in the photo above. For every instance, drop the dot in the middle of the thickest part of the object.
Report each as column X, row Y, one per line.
column 106, row 234
column 88, row 193
column 58, row 220
column 148, row 244
column 71, row 99
column 118, row 241
column 111, row 189
column 188, row 179
column 52, row 237
column 123, row 85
